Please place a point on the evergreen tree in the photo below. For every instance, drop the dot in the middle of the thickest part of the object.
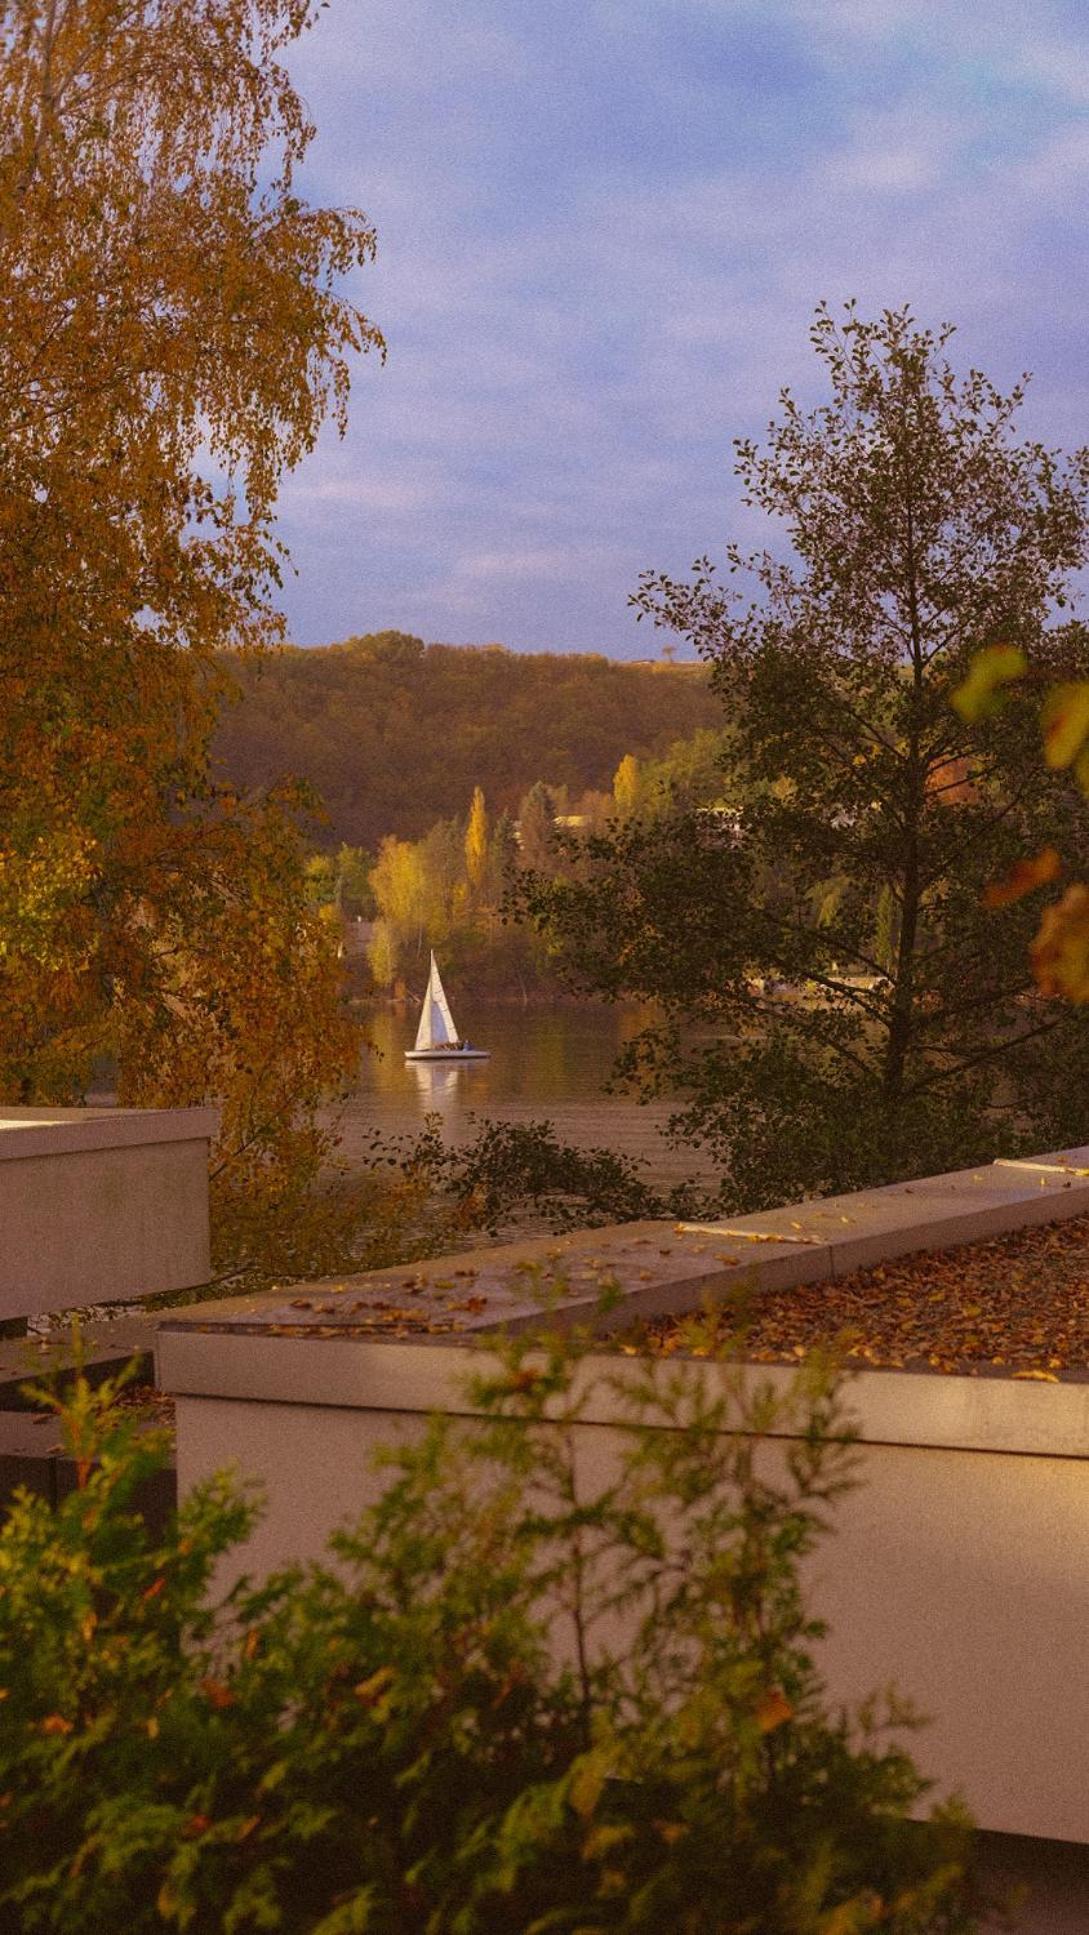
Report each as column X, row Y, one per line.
column 536, row 826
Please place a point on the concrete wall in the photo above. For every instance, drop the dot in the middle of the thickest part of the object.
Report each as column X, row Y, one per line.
column 662, row 1267
column 101, row 1204
column 958, row 1570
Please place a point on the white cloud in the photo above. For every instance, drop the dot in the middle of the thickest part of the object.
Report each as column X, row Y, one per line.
column 565, row 376
column 311, row 491
column 1060, row 65
column 870, row 19
column 543, row 561
column 1059, row 169
column 406, row 45
column 904, row 149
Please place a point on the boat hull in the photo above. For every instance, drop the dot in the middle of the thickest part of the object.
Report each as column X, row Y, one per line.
column 447, row 1054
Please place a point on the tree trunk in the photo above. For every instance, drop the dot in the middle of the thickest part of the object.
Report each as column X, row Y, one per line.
column 901, row 1020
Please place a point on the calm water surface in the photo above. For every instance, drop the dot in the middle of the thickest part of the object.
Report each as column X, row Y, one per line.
column 549, row 1063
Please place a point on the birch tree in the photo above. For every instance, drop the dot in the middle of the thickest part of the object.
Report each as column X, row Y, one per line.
column 174, row 330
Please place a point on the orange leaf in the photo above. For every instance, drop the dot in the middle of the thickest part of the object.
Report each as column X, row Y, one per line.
column 1060, row 952
column 217, row 1694
column 1023, row 877
column 56, row 1723
column 773, row 1710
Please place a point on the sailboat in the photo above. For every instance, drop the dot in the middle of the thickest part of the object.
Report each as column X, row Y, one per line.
column 437, row 1037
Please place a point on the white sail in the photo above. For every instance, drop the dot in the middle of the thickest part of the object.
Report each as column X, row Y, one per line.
column 436, row 1029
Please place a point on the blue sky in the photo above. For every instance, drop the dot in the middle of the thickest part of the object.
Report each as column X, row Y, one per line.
column 603, row 227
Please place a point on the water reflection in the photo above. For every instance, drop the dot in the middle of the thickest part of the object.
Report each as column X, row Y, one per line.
column 546, row 1064
column 538, row 1055
column 437, row 1085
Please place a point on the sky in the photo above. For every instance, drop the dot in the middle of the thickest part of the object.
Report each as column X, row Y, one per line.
column 603, row 227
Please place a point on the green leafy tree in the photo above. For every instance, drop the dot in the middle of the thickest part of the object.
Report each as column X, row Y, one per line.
column 438, row 1730
column 321, row 879
column 353, row 891
column 502, row 858
column 838, row 1006
column 445, row 891
column 692, row 770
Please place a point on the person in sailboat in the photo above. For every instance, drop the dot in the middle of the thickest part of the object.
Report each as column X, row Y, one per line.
column 437, row 1038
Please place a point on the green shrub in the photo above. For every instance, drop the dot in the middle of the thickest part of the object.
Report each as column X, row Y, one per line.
column 521, row 1697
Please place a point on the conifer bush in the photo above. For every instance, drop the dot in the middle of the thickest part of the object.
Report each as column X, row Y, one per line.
column 520, row 1696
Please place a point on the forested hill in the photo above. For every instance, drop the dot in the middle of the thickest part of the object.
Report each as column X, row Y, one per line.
column 395, row 734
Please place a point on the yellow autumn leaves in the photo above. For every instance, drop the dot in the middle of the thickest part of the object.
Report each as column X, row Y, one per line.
column 982, row 693
column 1060, row 952
column 40, row 883
column 174, row 332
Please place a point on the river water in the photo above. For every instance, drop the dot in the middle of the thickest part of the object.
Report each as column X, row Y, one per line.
column 545, row 1064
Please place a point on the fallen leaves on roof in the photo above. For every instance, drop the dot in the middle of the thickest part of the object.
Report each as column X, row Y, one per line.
column 1016, row 1306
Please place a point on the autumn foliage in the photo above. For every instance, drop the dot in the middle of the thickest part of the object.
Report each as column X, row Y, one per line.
column 355, row 719
column 173, row 333
column 1059, row 952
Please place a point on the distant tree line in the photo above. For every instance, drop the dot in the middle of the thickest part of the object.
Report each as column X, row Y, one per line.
column 394, row 734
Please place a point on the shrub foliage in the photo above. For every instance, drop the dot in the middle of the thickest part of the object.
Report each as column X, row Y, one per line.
column 523, row 1694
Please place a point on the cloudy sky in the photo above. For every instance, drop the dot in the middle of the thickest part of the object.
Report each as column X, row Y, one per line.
column 603, row 227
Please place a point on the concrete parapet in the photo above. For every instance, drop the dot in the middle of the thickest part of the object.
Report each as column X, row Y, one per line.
column 33, row 1459
column 959, row 1569
column 660, row 1269
column 98, row 1205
